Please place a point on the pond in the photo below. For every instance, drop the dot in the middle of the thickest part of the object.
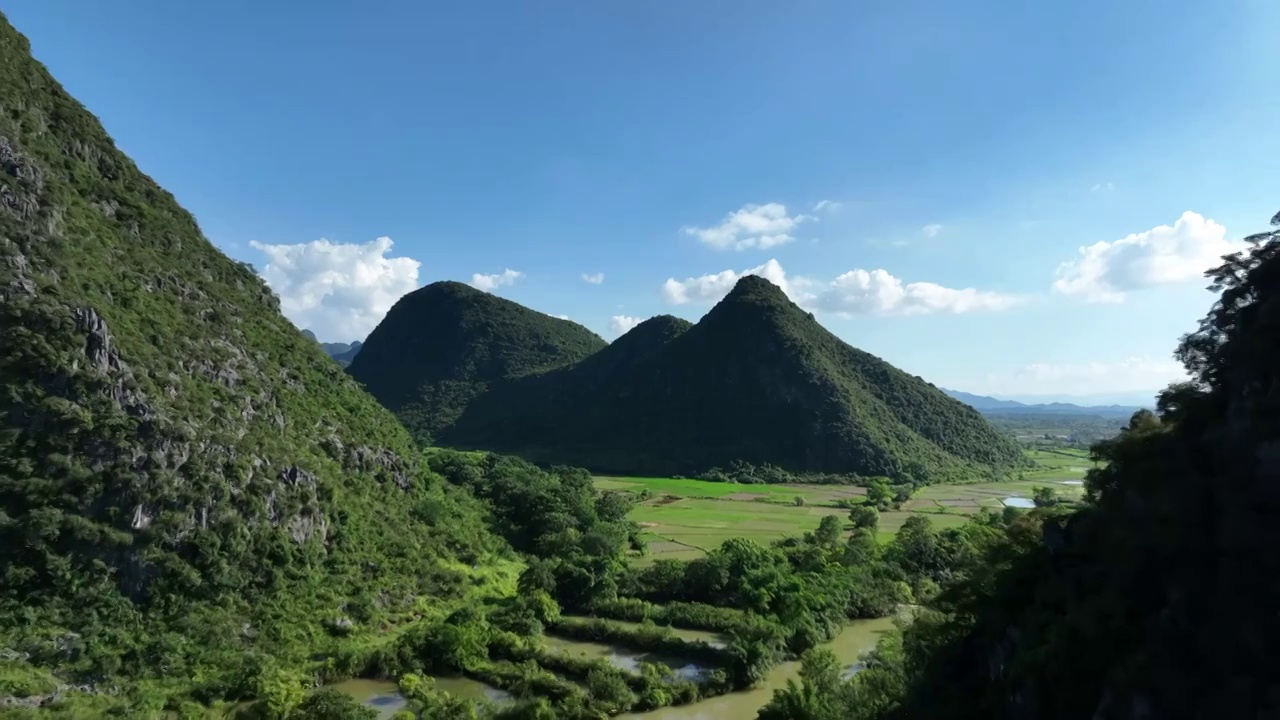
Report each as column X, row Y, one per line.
column 621, row 658
column 713, row 639
column 1072, row 482
column 1019, row 502
column 384, row 695
column 856, row 638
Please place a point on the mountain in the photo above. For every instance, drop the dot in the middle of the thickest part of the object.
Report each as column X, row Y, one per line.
column 989, row 405
column 445, row 344
column 189, row 488
column 342, row 352
column 756, row 380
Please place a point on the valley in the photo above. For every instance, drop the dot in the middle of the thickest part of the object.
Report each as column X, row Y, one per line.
column 683, row 518
column 487, row 512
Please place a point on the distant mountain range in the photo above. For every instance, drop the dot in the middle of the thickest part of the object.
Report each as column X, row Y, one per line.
column 757, row 380
column 993, row 406
column 342, row 352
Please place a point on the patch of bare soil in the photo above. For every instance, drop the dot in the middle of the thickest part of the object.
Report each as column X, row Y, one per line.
column 666, row 500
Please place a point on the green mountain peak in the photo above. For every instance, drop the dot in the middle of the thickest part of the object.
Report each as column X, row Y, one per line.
column 444, row 344
column 758, row 379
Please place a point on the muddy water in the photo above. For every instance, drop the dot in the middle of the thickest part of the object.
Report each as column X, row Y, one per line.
column 385, row 697
column 621, row 658
column 848, row 646
column 711, row 638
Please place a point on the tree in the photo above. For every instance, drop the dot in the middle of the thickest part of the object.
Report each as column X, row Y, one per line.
column 331, row 704
column 1156, row 597
column 609, row 691
column 915, row 549
column 865, row 517
column 878, row 494
column 1044, row 497
column 828, row 532
column 815, row 697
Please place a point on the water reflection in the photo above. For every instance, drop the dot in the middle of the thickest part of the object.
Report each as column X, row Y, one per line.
column 849, row 645
column 1019, row 502
column 854, row 640
column 384, row 696
column 622, row 658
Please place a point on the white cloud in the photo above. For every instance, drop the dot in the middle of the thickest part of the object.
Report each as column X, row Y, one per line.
column 1102, row 187
column 594, row 278
column 829, row 206
column 751, row 226
column 1163, row 255
column 710, row 288
column 857, row 292
column 489, row 283
column 876, row 292
column 563, row 317
column 1128, row 375
column 931, row 230
column 620, row 324
column 338, row 291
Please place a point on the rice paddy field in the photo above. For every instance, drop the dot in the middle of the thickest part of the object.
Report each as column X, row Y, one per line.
column 684, row 518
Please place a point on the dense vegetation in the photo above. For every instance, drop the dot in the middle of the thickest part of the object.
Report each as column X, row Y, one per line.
column 197, row 506
column 443, row 345
column 192, row 496
column 770, row 602
column 1057, row 430
column 1154, row 600
column 756, row 381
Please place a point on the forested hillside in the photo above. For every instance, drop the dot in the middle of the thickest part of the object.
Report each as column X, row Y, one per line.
column 757, row 380
column 1155, row 600
column 191, row 493
column 443, row 345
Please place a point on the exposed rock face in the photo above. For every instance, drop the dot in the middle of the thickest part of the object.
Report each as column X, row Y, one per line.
column 170, row 446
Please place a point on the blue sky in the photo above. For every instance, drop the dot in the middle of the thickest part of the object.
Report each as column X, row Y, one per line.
column 966, row 153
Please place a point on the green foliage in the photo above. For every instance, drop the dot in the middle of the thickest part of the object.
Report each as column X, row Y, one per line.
column 1045, row 497
column 187, row 483
column 815, row 697
column 691, row 616
column 576, row 536
column 1154, row 599
column 878, row 495
column 757, row 381
column 329, row 704
column 864, row 517
column 442, row 346
column 21, row 680
column 766, row 473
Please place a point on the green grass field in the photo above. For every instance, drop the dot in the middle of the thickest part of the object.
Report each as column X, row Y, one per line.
column 684, row 518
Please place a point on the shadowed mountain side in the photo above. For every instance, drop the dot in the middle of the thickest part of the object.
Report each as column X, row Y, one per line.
column 443, row 345
column 758, row 380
